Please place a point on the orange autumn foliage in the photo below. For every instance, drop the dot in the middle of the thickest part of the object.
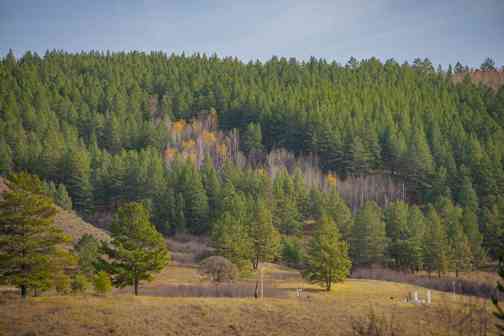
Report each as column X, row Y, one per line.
column 331, row 180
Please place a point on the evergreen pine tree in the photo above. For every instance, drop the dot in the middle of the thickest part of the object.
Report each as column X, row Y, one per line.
column 31, row 249
column 336, row 208
column 88, row 251
column 368, row 241
column 77, row 179
column 264, row 236
column 461, row 254
column 435, row 244
column 137, row 250
column 252, row 139
column 212, row 187
column 62, row 198
column 475, row 238
column 6, row 162
column 327, row 257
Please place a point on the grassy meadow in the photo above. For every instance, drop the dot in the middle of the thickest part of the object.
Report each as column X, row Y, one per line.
column 159, row 310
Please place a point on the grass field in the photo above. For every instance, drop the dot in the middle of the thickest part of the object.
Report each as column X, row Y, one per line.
column 316, row 312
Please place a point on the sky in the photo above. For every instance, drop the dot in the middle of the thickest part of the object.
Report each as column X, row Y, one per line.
column 445, row 31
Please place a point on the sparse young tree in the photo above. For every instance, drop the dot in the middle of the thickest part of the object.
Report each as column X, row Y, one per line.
column 102, row 283
column 80, row 283
column 327, row 257
column 137, row 250
column 62, row 283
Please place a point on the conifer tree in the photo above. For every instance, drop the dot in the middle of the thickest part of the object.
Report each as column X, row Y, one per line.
column 301, row 193
column 461, row 254
column 499, row 314
column 30, row 244
column 77, row 179
column 415, row 233
column 336, row 208
column 187, row 182
column 6, row 162
column 179, row 219
column 368, row 241
column 252, row 139
column 315, row 204
column 467, row 196
column 396, row 224
column 286, row 216
column 102, row 283
column 88, row 251
column 493, row 221
column 264, row 236
column 435, row 244
column 112, row 135
column 231, row 239
column 212, row 187
column 327, row 256
column 137, row 250
column 62, row 198
column 420, row 161
column 474, row 237
column 230, row 232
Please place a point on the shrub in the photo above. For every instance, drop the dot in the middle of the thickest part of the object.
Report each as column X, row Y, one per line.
column 62, row 283
column 80, row 283
column 102, row 283
column 218, row 269
column 446, row 284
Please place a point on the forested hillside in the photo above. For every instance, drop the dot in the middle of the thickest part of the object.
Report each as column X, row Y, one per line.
column 209, row 144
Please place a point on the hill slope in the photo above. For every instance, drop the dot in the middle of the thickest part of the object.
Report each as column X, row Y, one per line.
column 69, row 222
column 492, row 79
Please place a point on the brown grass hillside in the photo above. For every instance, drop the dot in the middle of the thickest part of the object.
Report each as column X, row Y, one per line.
column 493, row 79
column 70, row 222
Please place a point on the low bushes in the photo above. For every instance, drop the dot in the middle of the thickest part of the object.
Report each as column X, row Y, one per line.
column 445, row 284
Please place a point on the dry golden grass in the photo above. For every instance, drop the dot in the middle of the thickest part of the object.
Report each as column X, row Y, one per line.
column 316, row 313
column 75, row 227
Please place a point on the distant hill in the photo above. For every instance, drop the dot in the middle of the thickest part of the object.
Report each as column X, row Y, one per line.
column 70, row 222
column 493, row 79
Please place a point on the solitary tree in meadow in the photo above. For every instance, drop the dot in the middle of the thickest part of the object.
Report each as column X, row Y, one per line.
column 137, row 250
column 327, row 260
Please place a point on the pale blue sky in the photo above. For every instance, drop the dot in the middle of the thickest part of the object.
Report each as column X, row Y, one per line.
column 443, row 30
